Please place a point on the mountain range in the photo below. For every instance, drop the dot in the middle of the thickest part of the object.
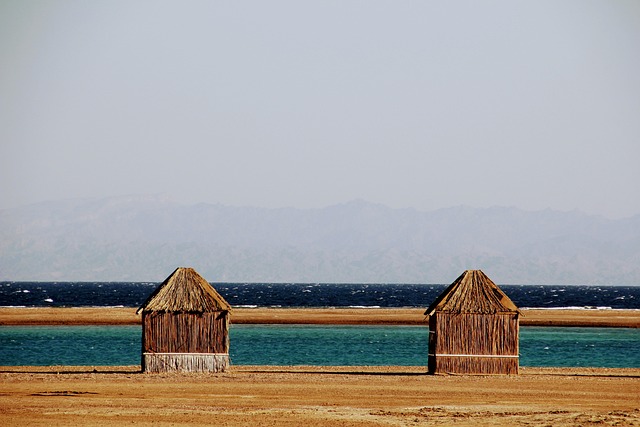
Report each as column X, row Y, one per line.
column 143, row 238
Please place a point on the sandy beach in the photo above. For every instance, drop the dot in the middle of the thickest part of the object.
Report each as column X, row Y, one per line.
column 312, row 395
column 336, row 316
column 317, row 396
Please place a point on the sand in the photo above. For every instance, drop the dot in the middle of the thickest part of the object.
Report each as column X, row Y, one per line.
column 317, row 396
column 338, row 316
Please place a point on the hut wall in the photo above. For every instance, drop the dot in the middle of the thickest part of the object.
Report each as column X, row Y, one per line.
column 185, row 332
column 473, row 343
column 185, row 362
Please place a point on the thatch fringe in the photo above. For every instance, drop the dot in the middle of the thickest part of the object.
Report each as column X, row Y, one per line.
column 186, row 362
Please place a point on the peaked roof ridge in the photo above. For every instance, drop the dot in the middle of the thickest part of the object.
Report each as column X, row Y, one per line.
column 473, row 292
column 185, row 291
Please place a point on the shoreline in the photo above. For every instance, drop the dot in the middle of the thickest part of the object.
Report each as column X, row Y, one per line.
column 41, row 316
column 307, row 369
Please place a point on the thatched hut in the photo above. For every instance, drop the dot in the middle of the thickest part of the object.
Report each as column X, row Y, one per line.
column 473, row 328
column 185, row 326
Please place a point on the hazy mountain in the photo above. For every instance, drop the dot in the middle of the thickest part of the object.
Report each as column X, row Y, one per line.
column 145, row 238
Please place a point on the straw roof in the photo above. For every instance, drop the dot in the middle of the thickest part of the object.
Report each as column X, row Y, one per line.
column 473, row 292
column 185, row 291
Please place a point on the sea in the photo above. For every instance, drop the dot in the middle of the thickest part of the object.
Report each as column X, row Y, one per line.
column 133, row 294
column 313, row 344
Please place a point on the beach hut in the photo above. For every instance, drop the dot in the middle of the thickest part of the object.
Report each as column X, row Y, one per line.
column 473, row 328
column 185, row 326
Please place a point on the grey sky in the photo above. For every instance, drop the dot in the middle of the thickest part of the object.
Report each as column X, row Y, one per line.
column 293, row 103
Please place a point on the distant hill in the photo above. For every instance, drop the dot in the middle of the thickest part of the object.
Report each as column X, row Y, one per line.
column 145, row 238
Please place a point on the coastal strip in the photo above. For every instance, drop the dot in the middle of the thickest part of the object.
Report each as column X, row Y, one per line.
column 314, row 316
column 317, row 396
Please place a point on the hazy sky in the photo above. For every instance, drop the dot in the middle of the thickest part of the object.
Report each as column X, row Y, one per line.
column 423, row 104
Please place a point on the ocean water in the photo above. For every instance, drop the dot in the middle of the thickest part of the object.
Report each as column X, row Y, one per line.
column 314, row 345
column 133, row 294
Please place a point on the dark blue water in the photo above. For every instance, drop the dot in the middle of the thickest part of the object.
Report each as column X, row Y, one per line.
column 80, row 294
column 314, row 345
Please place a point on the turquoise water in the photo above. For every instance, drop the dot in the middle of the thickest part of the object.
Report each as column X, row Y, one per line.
column 314, row 345
column 329, row 345
column 70, row 345
column 584, row 347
